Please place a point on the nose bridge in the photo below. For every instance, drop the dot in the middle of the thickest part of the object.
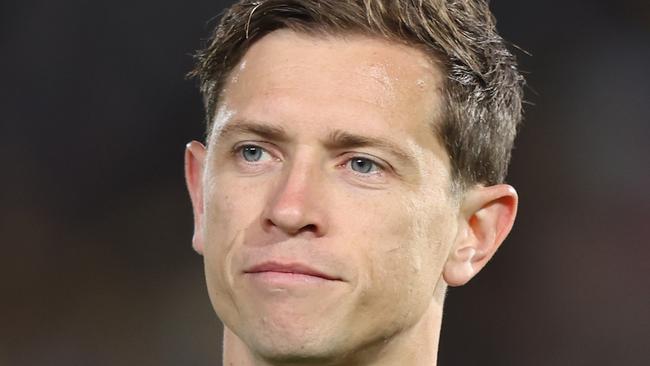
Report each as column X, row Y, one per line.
column 295, row 204
column 297, row 181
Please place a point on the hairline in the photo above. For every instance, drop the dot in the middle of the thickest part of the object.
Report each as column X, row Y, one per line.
column 324, row 32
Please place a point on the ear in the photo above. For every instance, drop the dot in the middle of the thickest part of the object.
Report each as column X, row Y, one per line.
column 486, row 217
column 194, row 164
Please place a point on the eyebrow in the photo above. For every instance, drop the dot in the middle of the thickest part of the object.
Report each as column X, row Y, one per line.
column 264, row 130
column 336, row 139
column 339, row 139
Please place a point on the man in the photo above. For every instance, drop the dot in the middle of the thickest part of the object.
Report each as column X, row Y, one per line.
column 353, row 169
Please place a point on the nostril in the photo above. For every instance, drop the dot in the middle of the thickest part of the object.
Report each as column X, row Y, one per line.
column 310, row 227
column 291, row 229
column 268, row 223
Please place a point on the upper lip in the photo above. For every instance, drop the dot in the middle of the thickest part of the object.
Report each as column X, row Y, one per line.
column 297, row 268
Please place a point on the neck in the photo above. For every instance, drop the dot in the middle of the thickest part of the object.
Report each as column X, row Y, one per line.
column 416, row 346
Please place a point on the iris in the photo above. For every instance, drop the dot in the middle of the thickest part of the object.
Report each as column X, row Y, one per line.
column 362, row 165
column 252, row 153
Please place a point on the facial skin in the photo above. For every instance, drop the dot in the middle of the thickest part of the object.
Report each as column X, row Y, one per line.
column 323, row 163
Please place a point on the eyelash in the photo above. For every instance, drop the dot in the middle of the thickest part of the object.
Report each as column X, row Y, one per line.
column 380, row 168
column 237, row 150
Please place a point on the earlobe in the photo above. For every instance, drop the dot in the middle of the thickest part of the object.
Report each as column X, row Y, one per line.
column 487, row 215
column 194, row 164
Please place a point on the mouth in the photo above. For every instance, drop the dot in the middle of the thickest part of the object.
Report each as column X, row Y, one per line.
column 289, row 271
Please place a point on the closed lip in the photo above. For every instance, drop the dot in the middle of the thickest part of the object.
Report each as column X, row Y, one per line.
column 295, row 268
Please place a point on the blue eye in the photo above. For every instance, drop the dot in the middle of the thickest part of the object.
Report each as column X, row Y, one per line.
column 251, row 153
column 363, row 165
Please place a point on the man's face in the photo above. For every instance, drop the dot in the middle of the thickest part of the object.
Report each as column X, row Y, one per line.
column 327, row 217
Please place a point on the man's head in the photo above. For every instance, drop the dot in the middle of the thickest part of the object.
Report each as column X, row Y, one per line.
column 352, row 171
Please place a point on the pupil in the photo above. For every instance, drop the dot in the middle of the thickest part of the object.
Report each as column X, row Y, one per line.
column 252, row 153
column 361, row 165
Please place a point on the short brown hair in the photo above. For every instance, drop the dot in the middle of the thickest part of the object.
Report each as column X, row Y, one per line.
column 483, row 89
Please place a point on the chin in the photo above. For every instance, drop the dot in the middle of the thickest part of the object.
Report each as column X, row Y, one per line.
column 291, row 349
column 286, row 328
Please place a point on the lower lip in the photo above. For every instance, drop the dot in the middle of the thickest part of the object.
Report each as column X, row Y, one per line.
column 284, row 278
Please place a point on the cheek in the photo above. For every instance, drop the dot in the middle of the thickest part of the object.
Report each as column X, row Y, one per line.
column 219, row 239
column 404, row 257
column 229, row 210
column 230, row 207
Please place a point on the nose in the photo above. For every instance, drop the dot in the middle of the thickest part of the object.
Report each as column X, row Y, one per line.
column 298, row 202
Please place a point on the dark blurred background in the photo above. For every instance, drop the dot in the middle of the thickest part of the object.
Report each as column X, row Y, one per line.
column 96, row 266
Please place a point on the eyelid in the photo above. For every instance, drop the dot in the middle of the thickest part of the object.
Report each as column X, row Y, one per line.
column 238, row 147
column 381, row 163
column 378, row 167
column 382, row 166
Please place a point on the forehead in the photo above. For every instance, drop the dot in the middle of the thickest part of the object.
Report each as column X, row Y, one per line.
column 347, row 82
column 385, row 60
column 381, row 72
